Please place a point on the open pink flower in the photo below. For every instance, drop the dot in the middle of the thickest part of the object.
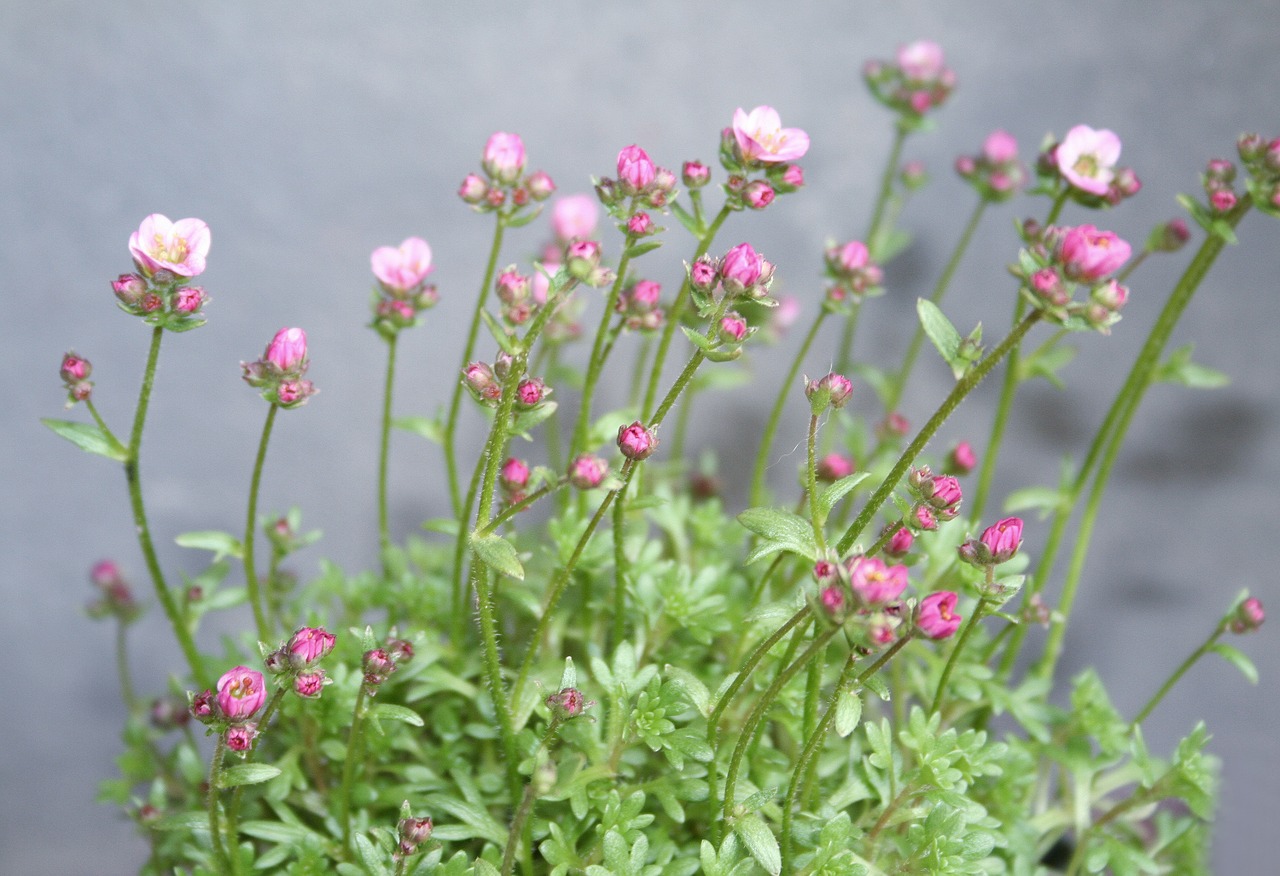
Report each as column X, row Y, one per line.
column 1088, row 254
column 762, row 138
column 936, row 615
column 241, row 692
column 401, row 268
column 178, row 247
column 921, row 61
column 875, row 582
column 574, row 217
column 1087, row 158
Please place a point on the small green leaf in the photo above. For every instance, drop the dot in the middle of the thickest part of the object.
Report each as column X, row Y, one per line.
column 848, row 712
column 392, row 712
column 1237, row 658
column 781, row 531
column 223, row 544
column 88, row 436
column 568, row 678
column 522, row 220
column 692, row 687
column 699, row 340
column 1179, row 368
column 498, row 554
column 724, row 355
column 247, row 774
column 834, row 492
column 760, row 841
column 686, row 219
column 526, row 420
column 641, row 248
column 943, row 335
column 183, row 821
column 1046, row 500
column 426, row 427
column 373, row 860
column 500, row 334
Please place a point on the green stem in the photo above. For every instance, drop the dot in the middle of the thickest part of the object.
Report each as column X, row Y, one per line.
column 250, row 531
column 898, row 386
column 122, row 668
column 102, row 424
column 462, row 582
column 886, row 184
column 349, row 766
column 596, row 363
column 979, row 611
column 133, row 477
column 677, row 311
column 516, row 507
column 962, row 388
column 1178, row 673
column 1008, row 389
column 451, row 425
column 620, row 569
column 1140, row 379
column 215, row 828
column 526, row 803
column 811, row 485
column 384, row 530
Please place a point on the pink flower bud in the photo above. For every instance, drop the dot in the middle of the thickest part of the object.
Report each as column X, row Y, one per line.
column 129, row 288
column 900, row 544
column 1000, row 147
column 833, row 467
column 825, row 571
column 514, row 474
column 1248, row 617
column 733, row 327
column 1002, row 539
column 582, row 257
column 1169, row 236
column 1223, row 200
column 241, row 692
column 1088, row 254
column 741, row 268
column 833, row 599
column 309, row 684
column 179, row 248
column 512, row 286
column 760, row 137
column 695, row 174
column 945, row 492
column 414, row 831
column 203, row 705
column 635, row 169
column 240, row 737
column 377, row 665
column 874, row 582
column 530, row 392
column 636, row 442
column 640, row 225
column 309, row 645
column 401, row 269
column 921, row 61
column 75, row 369
column 793, row 176
column 587, row 471
column 1048, row 286
column 474, row 190
column 567, row 703
column 287, row 350
column 962, row 459
column 480, row 380
column 540, row 186
column 848, row 258
column 833, row 390
column 574, row 217
column 399, row 650
column 291, row 393
column 925, row 518
column 504, row 157
column 1087, row 158
column 936, row 617
column 644, row 295
column 758, row 195
column 189, row 299
column 703, row 274
column 169, row 713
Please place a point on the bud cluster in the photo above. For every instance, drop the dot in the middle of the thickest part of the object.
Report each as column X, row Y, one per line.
column 230, row 708
column 115, row 596
column 915, row 82
column 1085, row 160
column 1247, row 617
column 757, row 143
column 402, row 291
column 741, row 272
column 484, row 381
column 294, row 664
column 504, row 177
column 378, row 664
column 831, row 391
column 870, row 592
column 937, row 498
column 995, row 172
column 854, row 275
column 166, row 255
column 1261, row 160
column 411, row 833
column 1064, row 258
column 279, row 373
column 640, row 183
column 75, row 373
column 998, row 544
column 568, row 703
column 639, row 304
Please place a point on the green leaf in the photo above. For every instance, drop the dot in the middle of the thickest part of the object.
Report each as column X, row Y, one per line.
column 943, row 335
column 373, row 860
column 1179, row 368
column 568, row 678
column 834, row 492
column 848, row 712
column 88, row 436
column 780, row 531
column 223, row 544
column 526, row 420
column 501, row 336
column 1237, row 658
column 392, row 712
column 519, row 221
column 641, row 248
column 427, row 427
column 498, row 554
column 686, row 219
column 1046, row 500
column 760, row 841
column 692, row 687
column 247, row 774
column 1046, row 362
column 701, row 341
column 198, row 820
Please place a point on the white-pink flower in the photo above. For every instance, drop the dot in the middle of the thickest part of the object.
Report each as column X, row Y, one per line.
column 1087, row 158
column 575, row 217
column 178, row 247
column 401, row 268
column 762, row 138
column 921, row 61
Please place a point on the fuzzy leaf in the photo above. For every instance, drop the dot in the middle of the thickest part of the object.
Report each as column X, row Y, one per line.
column 686, row 219
column 88, row 436
column 247, row 774
column 526, row 420
column 370, row 857
column 568, row 678
column 834, row 492
column 392, row 712
column 498, row 554
column 943, row 335
column 781, row 531
column 198, row 820
column 1179, row 368
column 641, row 248
column 1237, row 658
column 427, row 427
column 223, row 544
column 701, row 341
column 848, row 713
column 760, row 841
column 692, row 687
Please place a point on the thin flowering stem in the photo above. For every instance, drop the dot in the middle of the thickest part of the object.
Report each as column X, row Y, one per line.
column 102, row 424
column 595, row 364
column 250, row 531
column 775, row 415
column 461, row 582
column 181, row 631
column 518, row 823
column 354, row 740
column 455, row 402
column 384, row 449
column 885, row 537
column 1140, row 379
column 516, row 507
column 811, row 485
column 979, row 611
column 621, row 568
column 677, row 311
column 962, row 388
column 886, row 183
column 225, row 863
column 899, row 384
column 1173, row 679
column 122, row 668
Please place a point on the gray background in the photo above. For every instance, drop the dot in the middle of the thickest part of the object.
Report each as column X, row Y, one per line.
column 308, row 134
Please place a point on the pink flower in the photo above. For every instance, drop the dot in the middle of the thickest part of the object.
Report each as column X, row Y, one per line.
column 308, row 645
column 1087, row 158
column 473, row 190
column 900, row 544
column 530, row 392
column 1088, row 254
column 636, row 442
column 793, row 176
column 504, row 157
column 240, row 737
column 634, row 168
column 833, row 467
column 832, row 599
column 758, row 195
column 640, row 225
column 309, row 684
column 946, row 492
column 875, row 582
column 241, row 692
column 733, row 327
column 921, row 61
column 541, row 186
column 1003, row 538
column 1000, row 147
column 514, row 474
column 189, row 299
column 402, row 268
column 742, row 266
column 963, row 460
column 287, row 350
column 574, row 217
column 936, row 616
column 178, row 247
column 761, row 137
column 695, row 174
column 587, row 471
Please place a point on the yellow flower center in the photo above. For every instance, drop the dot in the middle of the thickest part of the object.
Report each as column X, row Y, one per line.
column 173, row 251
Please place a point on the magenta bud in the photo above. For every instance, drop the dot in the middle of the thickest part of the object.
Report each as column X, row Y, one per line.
column 204, row 706
column 504, row 157
column 1002, row 539
column 514, row 474
column 474, row 190
column 832, row 390
column 530, row 392
column 695, row 174
column 703, row 274
column 309, row 645
column 241, row 692
column 741, row 268
column 833, row 599
column 189, row 299
column 309, row 684
column 75, row 369
column 793, row 176
column 567, row 703
column 540, row 186
column 635, row 170
column 825, row 571
column 480, row 379
column 287, row 350
column 377, row 665
column 512, row 286
column 239, row 737
column 833, row 467
column 1248, row 616
column 587, row 471
column 733, row 328
column 936, row 617
column 636, row 442
column 899, row 544
column 758, row 195
column 129, row 288
column 925, row 518
column 640, row 225
column 414, row 831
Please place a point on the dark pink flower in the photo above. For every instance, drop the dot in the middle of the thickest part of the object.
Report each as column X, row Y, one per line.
column 587, row 471
column 900, row 544
column 177, row 247
column 1002, row 539
column 962, row 459
column 241, row 692
column 240, row 736
column 1087, row 158
column 574, row 217
column 309, row 645
column 287, row 350
column 876, row 582
column 635, row 169
column 761, row 137
column 833, row 390
column 402, row 268
column 946, row 492
column 1088, row 254
column 504, row 157
column 695, row 174
column 636, row 442
column 936, row 616
column 742, row 267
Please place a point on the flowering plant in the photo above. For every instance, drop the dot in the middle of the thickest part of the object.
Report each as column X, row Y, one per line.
column 846, row 676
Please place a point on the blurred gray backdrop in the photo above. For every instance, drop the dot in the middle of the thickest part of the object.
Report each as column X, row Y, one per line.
column 308, row 134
